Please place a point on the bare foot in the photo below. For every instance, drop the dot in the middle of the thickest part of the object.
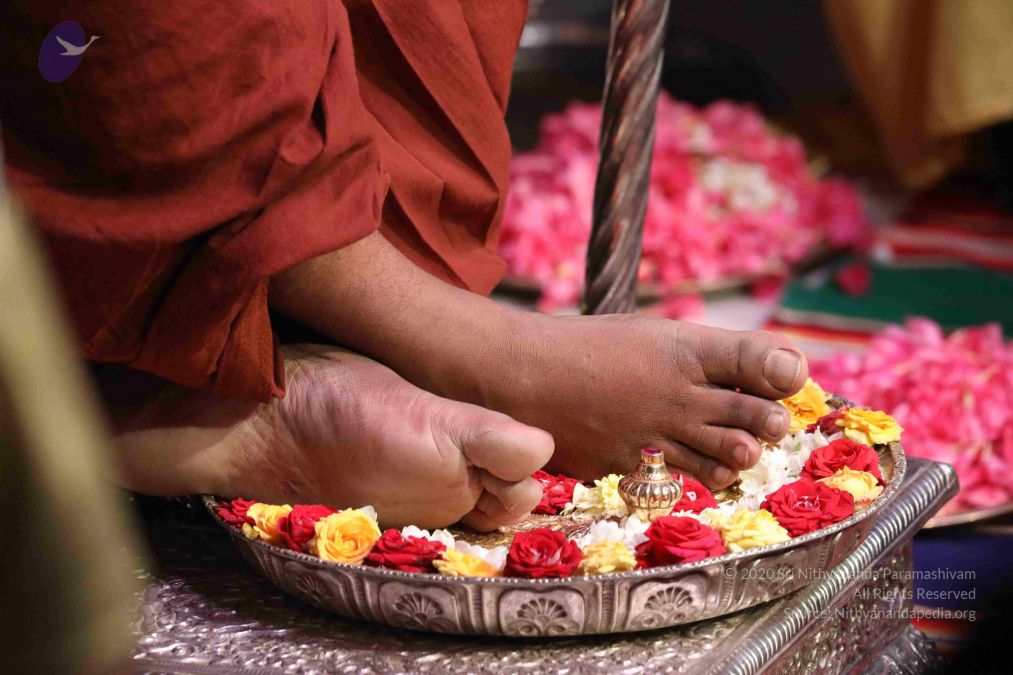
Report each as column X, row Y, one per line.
column 607, row 386
column 602, row 386
column 349, row 432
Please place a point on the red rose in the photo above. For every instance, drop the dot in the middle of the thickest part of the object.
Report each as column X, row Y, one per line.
column 695, row 497
column 557, row 492
column 804, row 506
column 677, row 539
column 541, row 553
column 299, row 526
column 843, row 452
column 406, row 554
column 828, row 423
column 234, row 512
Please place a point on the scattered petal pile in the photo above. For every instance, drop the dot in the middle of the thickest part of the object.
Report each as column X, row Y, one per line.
column 953, row 394
column 729, row 196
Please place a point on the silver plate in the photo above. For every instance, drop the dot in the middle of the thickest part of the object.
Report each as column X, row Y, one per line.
column 612, row 603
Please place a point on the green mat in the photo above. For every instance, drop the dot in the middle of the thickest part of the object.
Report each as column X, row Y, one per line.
column 954, row 296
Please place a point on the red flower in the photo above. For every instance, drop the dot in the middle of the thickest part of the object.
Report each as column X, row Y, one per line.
column 677, row 539
column 841, row 453
column 234, row 512
column 854, row 279
column 695, row 497
column 406, row 554
column 298, row 527
column 557, row 492
column 804, row 506
column 541, row 553
column 828, row 423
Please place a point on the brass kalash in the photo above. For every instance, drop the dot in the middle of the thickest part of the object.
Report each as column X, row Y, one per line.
column 650, row 491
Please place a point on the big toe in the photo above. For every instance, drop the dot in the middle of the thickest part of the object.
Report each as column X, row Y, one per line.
column 764, row 364
column 502, row 446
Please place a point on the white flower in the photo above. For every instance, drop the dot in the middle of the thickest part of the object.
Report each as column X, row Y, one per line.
column 779, row 465
column 494, row 556
column 601, row 501
column 629, row 531
column 723, row 509
column 369, row 511
column 771, row 470
column 747, row 186
column 442, row 536
column 801, row 444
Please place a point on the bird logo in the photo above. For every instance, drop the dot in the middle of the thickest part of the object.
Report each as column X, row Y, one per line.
column 62, row 51
column 74, row 50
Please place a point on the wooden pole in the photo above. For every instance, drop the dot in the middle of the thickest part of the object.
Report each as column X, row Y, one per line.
column 632, row 75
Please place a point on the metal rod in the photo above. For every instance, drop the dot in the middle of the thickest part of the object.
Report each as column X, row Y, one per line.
column 632, row 74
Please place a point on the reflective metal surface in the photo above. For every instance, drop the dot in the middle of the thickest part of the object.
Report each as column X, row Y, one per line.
column 612, row 603
column 203, row 612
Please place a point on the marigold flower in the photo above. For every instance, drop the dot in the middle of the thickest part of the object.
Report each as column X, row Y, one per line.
column 456, row 564
column 744, row 529
column 806, row 406
column 870, row 426
column 347, row 537
column 267, row 522
column 606, row 557
column 862, row 485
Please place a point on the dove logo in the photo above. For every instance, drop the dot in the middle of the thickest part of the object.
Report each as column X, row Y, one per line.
column 62, row 51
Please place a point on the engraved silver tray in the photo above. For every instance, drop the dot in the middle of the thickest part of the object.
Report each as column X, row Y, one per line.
column 612, row 603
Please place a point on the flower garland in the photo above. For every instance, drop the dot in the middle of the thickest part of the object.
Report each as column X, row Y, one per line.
column 815, row 477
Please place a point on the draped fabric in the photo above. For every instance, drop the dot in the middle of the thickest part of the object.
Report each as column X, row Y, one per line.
column 201, row 148
column 930, row 72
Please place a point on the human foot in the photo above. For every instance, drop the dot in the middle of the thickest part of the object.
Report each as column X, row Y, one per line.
column 606, row 386
column 349, row 432
column 602, row 386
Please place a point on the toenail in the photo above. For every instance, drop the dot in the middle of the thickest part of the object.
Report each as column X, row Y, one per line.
column 722, row 475
column 777, row 423
column 741, row 454
column 781, row 368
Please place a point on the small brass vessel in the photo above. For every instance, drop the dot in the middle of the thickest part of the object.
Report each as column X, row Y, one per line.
column 650, row 491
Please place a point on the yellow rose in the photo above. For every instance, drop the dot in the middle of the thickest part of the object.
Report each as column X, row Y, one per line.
column 605, row 557
column 265, row 522
column 601, row 501
column 745, row 529
column 347, row 536
column 806, row 406
column 870, row 426
column 862, row 485
column 455, row 564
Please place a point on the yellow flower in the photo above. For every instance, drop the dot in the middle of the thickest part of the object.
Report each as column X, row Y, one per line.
column 455, row 564
column 870, row 426
column 806, row 406
column 745, row 529
column 346, row 537
column 601, row 501
column 605, row 557
column 862, row 485
column 266, row 518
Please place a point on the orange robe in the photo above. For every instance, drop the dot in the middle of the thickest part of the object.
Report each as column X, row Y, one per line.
column 201, row 148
